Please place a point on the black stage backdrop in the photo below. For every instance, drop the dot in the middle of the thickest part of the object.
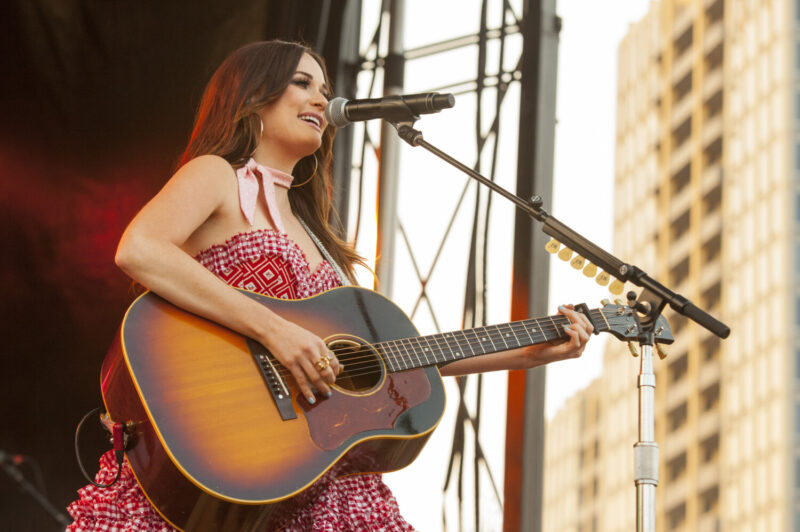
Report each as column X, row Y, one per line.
column 96, row 104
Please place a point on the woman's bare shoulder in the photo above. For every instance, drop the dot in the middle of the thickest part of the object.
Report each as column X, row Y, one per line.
column 211, row 167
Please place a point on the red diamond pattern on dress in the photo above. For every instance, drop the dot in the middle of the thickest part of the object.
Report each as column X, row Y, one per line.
column 269, row 275
column 267, row 262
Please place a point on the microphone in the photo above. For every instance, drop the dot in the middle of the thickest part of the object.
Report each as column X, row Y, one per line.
column 341, row 112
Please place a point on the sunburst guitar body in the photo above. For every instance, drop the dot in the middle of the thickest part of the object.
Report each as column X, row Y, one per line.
column 221, row 438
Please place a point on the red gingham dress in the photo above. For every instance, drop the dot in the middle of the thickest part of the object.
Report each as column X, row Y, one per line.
column 267, row 262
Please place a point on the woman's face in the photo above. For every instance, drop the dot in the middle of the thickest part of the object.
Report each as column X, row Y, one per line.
column 295, row 121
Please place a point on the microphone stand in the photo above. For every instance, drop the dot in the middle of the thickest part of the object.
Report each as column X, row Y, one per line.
column 10, row 468
column 648, row 305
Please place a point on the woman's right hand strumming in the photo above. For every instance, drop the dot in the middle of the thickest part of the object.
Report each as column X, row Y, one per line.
column 305, row 355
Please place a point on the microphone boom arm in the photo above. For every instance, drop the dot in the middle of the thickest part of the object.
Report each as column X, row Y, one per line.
column 654, row 293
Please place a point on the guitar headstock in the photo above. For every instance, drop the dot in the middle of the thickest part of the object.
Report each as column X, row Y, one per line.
column 621, row 321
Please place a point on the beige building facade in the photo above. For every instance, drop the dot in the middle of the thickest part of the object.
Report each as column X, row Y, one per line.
column 707, row 200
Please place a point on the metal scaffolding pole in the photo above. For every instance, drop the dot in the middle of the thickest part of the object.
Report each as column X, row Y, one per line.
column 390, row 154
column 345, row 85
column 531, row 270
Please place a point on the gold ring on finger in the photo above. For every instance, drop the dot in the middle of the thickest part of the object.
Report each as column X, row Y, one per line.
column 322, row 364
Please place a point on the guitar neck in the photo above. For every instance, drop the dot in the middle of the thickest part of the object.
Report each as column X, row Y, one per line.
column 443, row 348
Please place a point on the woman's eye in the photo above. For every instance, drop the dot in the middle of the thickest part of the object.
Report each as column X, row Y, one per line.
column 306, row 83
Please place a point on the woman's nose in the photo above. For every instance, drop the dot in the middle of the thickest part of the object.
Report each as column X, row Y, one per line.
column 319, row 99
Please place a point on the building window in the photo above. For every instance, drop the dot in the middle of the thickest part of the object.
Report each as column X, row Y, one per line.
column 680, row 272
column 676, row 466
column 712, row 296
column 709, row 499
column 676, row 515
column 797, row 418
column 709, row 448
column 797, row 155
column 713, row 248
column 797, row 363
column 710, row 398
column 797, row 56
column 797, row 472
column 797, row 208
column 797, row 312
column 676, row 417
column 677, row 368
column 797, row 107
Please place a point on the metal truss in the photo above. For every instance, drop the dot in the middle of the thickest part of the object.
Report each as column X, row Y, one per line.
column 372, row 65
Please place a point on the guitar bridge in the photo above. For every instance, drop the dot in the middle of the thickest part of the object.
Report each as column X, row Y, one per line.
column 276, row 385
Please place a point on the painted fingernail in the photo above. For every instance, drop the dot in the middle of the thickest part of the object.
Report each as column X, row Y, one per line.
column 567, row 328
column 562, row 307
column 328, row 394
column 312, row 399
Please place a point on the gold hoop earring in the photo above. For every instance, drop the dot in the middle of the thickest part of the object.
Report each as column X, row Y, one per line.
column 316, row 165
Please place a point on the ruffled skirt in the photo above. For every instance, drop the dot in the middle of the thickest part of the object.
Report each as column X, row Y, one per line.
column 351, row 503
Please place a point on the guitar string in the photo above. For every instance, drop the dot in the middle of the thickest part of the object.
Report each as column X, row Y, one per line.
column 462, row 341
column 365, row 356
column 355, row 370
column 496, row 334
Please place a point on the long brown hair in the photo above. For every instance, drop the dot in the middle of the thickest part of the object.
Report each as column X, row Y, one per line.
column 228, row 125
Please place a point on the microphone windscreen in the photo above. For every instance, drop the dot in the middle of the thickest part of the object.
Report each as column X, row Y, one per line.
column 334, row 112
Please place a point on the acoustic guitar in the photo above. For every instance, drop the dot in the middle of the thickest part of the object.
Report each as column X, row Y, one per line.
column 221, row 438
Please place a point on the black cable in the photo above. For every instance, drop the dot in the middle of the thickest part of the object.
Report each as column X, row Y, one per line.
column 119, row 454
column 34, row 466
column 9, row 465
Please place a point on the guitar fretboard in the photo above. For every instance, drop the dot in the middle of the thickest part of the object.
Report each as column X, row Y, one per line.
column 422, row 351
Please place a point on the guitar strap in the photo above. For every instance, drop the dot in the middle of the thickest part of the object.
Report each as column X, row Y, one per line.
column 343, row 280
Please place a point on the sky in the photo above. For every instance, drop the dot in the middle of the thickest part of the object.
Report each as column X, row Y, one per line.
column 584, row 161
column 582, row 198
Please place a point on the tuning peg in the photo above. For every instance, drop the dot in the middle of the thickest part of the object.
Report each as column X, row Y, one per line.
column 552, row 246
column 565, row 254
column 590, row 270
column 619, row 302
column 605, row 302
column 662, row 351
column 602, row 278
column 616, row 287
column 577, row 262
column 633, row 347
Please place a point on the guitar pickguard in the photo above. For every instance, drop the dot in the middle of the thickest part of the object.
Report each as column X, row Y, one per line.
column 333, row 422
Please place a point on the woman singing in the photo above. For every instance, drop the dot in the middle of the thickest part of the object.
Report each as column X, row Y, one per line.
column 249, row 207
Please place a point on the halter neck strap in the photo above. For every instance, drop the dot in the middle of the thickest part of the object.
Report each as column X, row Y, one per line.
column 247, row 176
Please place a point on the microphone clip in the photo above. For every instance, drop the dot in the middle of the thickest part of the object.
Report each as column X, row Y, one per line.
column 405, row 130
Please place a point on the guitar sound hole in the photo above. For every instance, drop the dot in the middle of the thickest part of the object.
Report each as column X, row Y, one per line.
column 363, row 369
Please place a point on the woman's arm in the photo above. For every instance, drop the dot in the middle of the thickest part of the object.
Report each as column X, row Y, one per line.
column 579, row 331
column 151, row 252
